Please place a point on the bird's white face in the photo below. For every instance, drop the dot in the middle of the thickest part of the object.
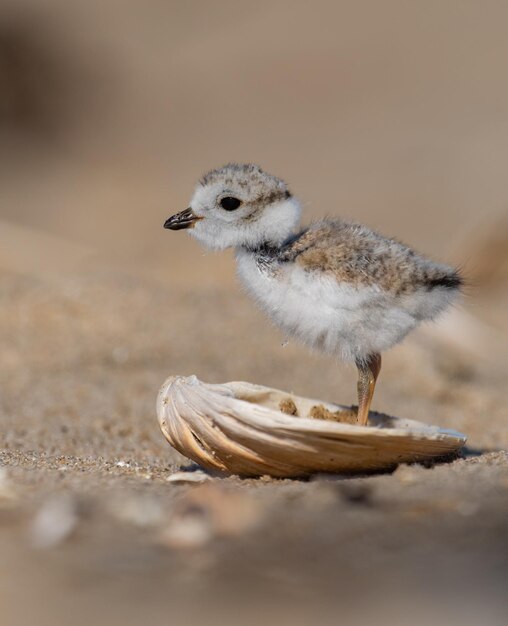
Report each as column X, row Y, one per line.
column 239, row 206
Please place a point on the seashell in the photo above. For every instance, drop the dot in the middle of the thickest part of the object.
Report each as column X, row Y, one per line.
column 238, row 428
column 188, row 478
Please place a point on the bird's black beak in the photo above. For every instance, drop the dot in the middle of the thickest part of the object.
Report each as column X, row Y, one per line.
column 184, row 219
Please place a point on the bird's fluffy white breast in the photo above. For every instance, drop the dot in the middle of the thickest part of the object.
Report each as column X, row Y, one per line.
column 327, row 315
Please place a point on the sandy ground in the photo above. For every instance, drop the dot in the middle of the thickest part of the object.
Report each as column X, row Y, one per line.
column 80, row 448
column 393, row 114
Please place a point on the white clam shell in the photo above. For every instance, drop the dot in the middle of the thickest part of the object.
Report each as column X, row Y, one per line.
column 237, row 428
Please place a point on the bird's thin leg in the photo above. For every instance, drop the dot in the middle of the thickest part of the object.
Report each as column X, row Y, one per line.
column 368, row 371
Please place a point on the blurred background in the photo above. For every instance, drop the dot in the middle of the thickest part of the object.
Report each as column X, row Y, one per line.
column 394, row 114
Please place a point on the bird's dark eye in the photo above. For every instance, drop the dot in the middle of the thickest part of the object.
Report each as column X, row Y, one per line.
column 229, row 203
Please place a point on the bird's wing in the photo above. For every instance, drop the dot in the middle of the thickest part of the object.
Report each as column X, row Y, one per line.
column 354, row 254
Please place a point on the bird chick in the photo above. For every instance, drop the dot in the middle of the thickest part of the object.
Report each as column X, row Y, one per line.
column 337, row 286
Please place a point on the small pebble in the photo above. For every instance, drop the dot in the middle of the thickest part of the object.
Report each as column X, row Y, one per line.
column 54, row 522
column 187, row 531
column 356, row 493
column 143, row 512
column 182, row 478
column 407, row 474
column 8, row 495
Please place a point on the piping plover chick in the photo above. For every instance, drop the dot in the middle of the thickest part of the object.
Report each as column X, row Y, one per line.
column 336, row 286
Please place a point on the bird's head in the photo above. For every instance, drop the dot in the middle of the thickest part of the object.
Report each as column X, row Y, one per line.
column 239, row 206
